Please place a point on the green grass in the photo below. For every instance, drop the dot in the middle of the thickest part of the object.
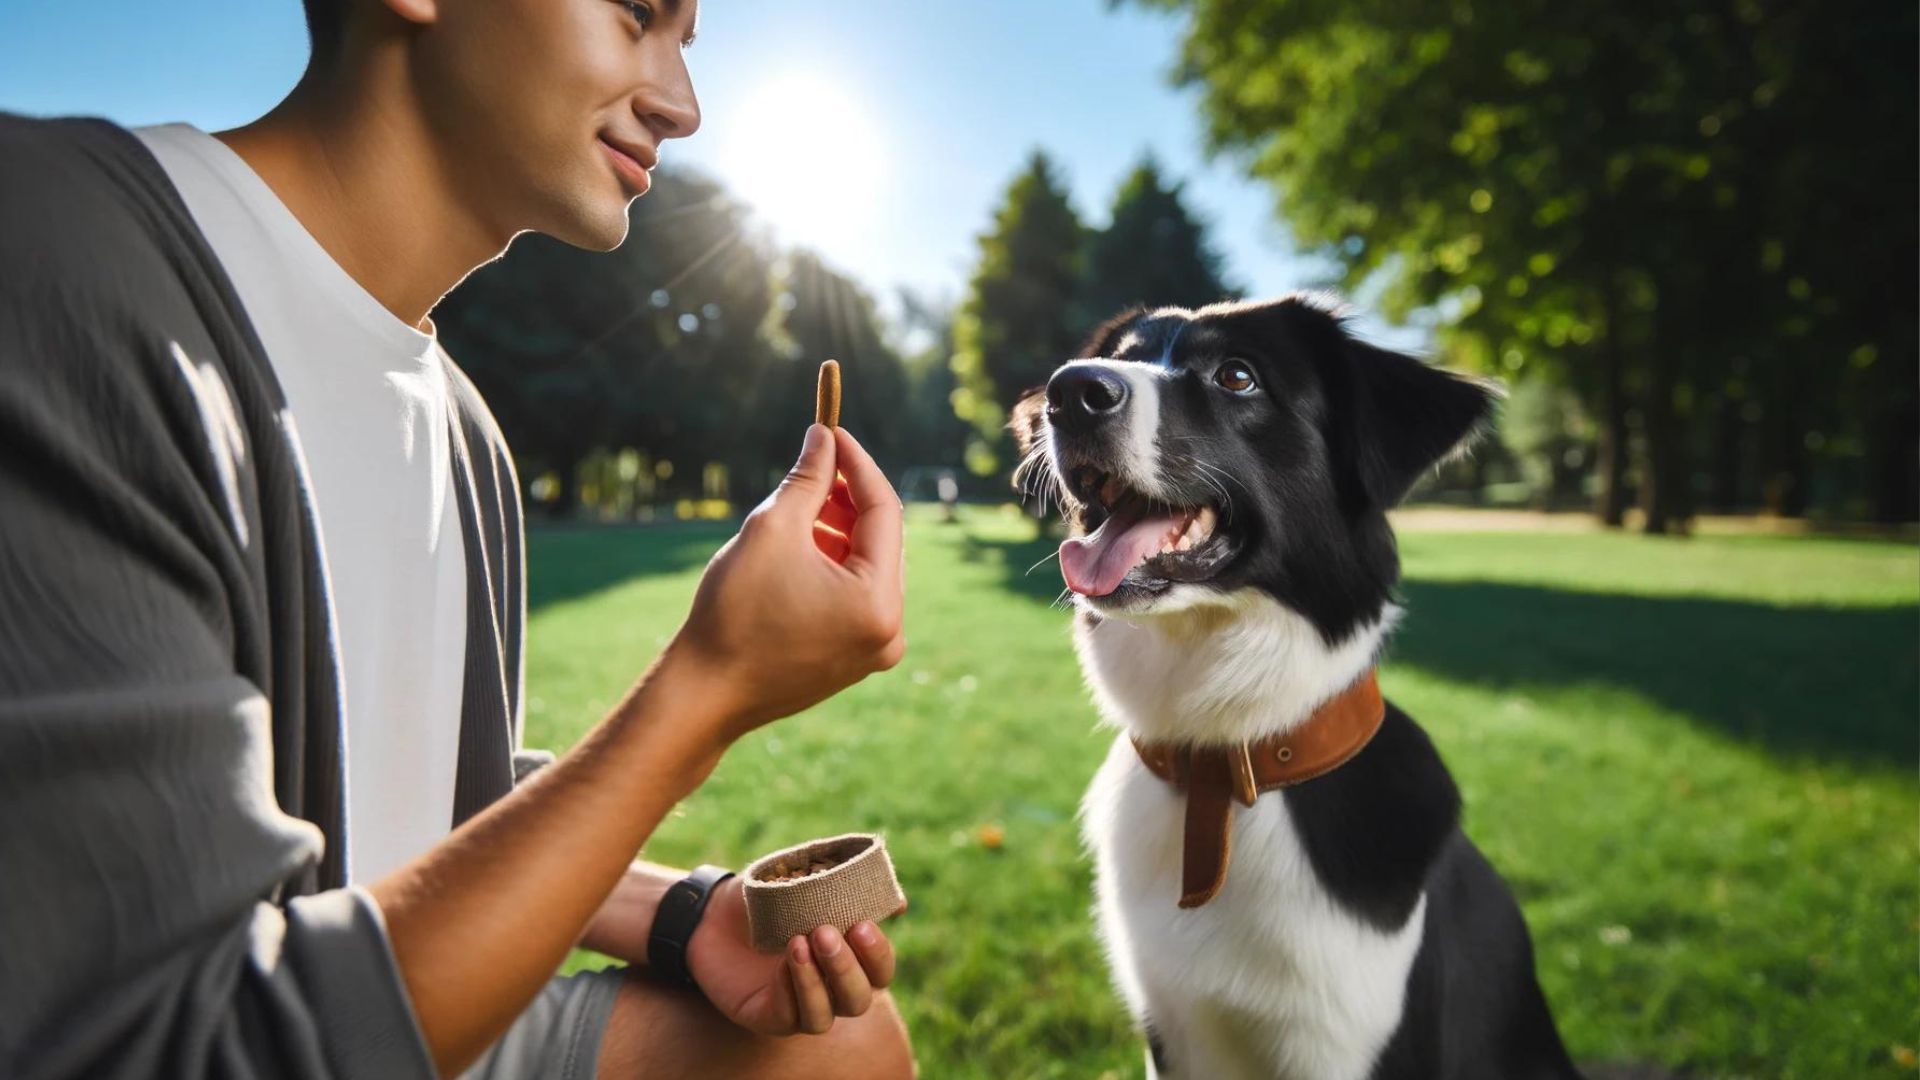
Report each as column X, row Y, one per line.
column 1694, row 761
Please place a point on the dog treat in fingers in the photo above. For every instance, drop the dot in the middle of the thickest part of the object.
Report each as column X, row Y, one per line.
column 826, row 409
column 838, row 881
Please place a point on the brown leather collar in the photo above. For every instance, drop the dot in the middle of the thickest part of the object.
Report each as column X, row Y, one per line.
column 1215, row 776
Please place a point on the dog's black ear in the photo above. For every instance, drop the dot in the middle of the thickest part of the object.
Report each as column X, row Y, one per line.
column 1406, row 417
column 1106, row 337
column 1029, row 419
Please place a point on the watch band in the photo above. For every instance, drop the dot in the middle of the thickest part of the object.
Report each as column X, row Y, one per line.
column 674, row 921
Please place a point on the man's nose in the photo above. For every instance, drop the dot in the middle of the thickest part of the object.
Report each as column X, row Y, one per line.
column 670, row 108
column 1081, row 397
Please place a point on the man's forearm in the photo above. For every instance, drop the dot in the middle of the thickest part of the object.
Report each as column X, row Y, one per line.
column 481, row 921
column 621, row 927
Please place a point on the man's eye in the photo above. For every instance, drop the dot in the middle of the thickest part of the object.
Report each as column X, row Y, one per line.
column 642, row 14
column 1234, row 376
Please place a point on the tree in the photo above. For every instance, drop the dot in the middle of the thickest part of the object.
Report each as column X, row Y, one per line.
column 651, row 346
column 823, row 315
column 1544, row 428
column 935, row 435
column 1017, row 323
column 1153, row 252
column 1703, row 208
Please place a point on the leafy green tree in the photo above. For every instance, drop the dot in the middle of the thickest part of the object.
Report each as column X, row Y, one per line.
column 652, row 346
column 1546, row 431
column 1697, row 211
column 935, row 436
column 823, row 315
column 1154, row 252
column 1017, row 323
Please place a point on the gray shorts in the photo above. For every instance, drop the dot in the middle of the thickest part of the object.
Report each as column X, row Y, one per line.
column 558, row 1036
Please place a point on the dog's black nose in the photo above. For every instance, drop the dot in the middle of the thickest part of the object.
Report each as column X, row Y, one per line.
column 1081, row 395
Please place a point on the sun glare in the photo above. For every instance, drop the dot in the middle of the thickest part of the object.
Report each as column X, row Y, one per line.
column 806, row 155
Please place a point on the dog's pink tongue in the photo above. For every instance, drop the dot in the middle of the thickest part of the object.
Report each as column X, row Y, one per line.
column 1095, row 564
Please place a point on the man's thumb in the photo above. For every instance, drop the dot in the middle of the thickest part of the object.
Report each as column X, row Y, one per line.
column 812, row 475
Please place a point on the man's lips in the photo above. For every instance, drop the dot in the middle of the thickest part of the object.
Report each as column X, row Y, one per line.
column 631, row 162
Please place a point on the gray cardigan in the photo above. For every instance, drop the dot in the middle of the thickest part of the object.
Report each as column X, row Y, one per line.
column 172, row 794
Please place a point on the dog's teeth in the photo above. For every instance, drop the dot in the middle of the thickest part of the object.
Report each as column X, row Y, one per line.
column 1193, row 533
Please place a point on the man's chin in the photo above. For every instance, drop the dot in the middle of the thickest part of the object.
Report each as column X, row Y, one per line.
column 602, row 227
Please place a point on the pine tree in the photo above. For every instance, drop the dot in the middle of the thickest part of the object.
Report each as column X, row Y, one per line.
column 1152, row 254
column 1017, row 323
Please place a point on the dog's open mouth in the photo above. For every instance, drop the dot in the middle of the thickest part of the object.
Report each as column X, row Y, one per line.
column 1131, row 536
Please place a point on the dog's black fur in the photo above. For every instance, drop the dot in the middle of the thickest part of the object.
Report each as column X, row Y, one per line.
column 1336, row 434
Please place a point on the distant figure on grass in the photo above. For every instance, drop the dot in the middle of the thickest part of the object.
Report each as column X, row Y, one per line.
column 262, row 604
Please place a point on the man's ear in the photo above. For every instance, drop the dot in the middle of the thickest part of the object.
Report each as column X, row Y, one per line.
column 1106, row 337
column 1407, row 417
column 1029, row 420
column 417, row 12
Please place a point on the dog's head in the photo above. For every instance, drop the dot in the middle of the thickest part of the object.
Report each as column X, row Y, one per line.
column 1206, row 456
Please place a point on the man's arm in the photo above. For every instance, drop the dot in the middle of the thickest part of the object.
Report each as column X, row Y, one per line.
column 138, row 826
column 481, row 921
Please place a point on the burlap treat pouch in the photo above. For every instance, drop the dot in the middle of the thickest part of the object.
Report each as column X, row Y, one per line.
column 838, row 882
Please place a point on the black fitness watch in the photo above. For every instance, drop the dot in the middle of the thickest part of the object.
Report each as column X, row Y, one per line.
column 675, row 919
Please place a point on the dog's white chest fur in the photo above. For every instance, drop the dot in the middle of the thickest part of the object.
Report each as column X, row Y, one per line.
column 1272, row 978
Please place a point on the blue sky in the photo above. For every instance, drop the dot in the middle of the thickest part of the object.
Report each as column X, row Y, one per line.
column 948, row 100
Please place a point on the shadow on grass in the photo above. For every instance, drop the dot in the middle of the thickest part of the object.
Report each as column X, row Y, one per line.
column 1829, row 681
column 1029, row 566
column 575, row 561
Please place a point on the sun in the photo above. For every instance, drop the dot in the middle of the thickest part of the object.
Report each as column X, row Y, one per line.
column 806, row 155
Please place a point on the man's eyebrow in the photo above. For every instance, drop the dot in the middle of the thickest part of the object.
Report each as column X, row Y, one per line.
column 693, row 30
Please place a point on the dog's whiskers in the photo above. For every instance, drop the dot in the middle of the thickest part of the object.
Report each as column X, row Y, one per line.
column 1036, row 478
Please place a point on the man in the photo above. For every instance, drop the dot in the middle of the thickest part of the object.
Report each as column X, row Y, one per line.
column 261, row 599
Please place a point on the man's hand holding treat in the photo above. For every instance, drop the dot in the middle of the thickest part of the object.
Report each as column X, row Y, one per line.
column 806, row 600
column 816, row 570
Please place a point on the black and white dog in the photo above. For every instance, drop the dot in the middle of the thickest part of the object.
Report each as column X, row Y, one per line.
column 1227, row 472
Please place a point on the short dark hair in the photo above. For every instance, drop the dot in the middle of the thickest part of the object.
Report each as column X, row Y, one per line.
column 326, row 25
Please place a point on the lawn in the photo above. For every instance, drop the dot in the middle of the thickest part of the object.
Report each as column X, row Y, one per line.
column 1694, row 760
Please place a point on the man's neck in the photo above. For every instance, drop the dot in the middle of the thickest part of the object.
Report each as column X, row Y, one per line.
column 356, row 164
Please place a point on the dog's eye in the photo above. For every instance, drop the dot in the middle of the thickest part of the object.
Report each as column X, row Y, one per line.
column 1235, row 376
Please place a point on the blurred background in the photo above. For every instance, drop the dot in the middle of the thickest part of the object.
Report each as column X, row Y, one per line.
column 1663, row 621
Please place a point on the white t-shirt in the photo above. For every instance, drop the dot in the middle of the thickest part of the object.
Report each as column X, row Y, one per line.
column 369, row 398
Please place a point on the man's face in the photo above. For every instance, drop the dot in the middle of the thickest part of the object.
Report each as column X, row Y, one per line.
column 553, row 111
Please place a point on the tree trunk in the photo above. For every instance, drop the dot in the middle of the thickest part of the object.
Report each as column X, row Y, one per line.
column 1477, row 471
column 1725, row 496
column 1784, row 488
column 1663, row 491
column 1565, row 486
column 566, row 496
column 1893, row 459
column 1611, row 454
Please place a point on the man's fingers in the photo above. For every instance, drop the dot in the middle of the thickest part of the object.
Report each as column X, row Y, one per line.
column 846, row 979
column 832, row 544
column 875, row 953
column 814, row 1007
column 839, row 513
column 876, row 535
